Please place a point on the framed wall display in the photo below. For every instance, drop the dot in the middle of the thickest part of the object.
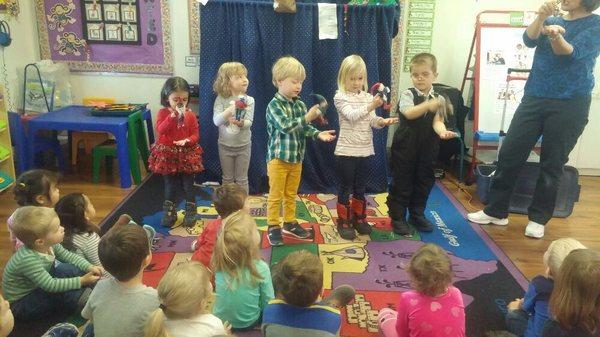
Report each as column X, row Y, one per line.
column 126, row 36
column 194, row 23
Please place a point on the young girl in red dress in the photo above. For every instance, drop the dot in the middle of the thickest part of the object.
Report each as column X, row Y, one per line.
column 176, row 154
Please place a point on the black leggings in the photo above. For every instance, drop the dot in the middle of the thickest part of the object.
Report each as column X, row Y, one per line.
column 177, row 182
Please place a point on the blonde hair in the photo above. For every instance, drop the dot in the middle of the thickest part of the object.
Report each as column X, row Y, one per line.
column 32, row 222
column 575, row 300
column 351, row 65
column 235, row 250
column 557, row 251
column 430, row 270
column 183, row 292
column 424, row 59
column 222, row 84
column 285, row 67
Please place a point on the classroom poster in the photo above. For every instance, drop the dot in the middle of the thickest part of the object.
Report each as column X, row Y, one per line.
column 419, row 29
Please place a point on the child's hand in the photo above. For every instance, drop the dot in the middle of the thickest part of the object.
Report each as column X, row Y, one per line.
column 313, row 113
column 230, row 110
column 447, row 135
column 515, row 305
column 227, row 327
column 96, row 270
column 88, row 279
column 326, row 136
column 553, row 30
column 376, row 103
column 235, row 122
column 181, row 142
column 434, row 104
column 388, row 121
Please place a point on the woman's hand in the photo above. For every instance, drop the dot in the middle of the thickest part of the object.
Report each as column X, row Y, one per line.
column 553, row 31
column 547, row 9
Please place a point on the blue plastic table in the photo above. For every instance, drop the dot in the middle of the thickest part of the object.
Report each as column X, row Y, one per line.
column 79, row 118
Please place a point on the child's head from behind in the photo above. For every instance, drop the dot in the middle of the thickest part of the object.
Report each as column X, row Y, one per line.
column 298, row 278
column 557, row 251
column 184, row 292
column 423, row 71
column 232, row 78
column 37, row 227
column 175, row 91
column 237, row 247
column 229, row 198
column 37, row 188
column 288, row 75
column 7, row 320
column 430, row 270
column 575, row 300
column 352, row 76
column 124, row 251
column 75, row 211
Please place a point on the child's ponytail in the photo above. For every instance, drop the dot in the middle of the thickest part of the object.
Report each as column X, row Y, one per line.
column 155, row 325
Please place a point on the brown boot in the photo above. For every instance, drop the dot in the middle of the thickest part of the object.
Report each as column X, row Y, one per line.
column 344, row 226
column 359, row 216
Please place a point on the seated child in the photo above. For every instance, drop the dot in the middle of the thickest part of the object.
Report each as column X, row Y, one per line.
column 33, row 284
column 575, row 301
column 124, row 252
column 243, row 283
column 298, row 281
column 435, row 307
column 227, row 199
column 527, row 316
column 185, row 294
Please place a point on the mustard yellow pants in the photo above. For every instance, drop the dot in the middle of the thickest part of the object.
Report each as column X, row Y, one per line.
column 284, row 179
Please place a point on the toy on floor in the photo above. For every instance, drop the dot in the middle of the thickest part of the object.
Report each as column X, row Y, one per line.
column 323, row 105
column 379, row 89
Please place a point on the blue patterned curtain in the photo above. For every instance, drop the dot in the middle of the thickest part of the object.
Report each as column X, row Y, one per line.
column 250, row 32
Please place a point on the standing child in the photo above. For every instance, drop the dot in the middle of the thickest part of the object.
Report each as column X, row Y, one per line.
column 227, row 199
column 526, row 316
column 177, row 155
column 185, row 293
column 242, row 280
column 234, row 122
column 288, row 127
column 415, row 146
column 435, row 307
column 33, row 283
column 356, row 108
column 575, row 301
column 33, row 188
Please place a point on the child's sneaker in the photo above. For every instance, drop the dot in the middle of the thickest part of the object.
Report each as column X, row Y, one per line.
column 534, row 230
column 274, row 236
column 294, row 229
column 150, row 234
column 340, row 296
column 62, row 330
column 484, row 219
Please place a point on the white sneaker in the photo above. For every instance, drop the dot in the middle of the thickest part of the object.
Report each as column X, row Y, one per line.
column 484, row 219
column 534, row 230
column 194, row 245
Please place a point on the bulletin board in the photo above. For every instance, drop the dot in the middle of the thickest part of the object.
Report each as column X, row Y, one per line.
column 500, row 48
column 124, row 36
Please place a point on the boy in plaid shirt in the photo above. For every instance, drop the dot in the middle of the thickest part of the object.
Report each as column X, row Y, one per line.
column 287, row 127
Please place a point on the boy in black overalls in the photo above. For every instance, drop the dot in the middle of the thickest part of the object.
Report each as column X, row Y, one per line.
column 415, row 146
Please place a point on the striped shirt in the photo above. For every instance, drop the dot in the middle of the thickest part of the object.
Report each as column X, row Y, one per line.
column 287, row 129
column 356, row 123
column 285, row 320
column 28, row 270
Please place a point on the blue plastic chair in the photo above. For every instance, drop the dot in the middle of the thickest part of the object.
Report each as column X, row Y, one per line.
column 19, row 139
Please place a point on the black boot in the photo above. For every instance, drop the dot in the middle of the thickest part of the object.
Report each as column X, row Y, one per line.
column 344, row 227
column 189, row 217
column 401, row 227
column 421, row 223
column 170, row 215
column 359, row 216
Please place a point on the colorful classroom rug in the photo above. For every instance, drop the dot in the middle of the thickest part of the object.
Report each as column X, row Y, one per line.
column 375, row 265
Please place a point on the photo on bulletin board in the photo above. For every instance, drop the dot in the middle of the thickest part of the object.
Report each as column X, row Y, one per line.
column 501, row 48
column 123, row 36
